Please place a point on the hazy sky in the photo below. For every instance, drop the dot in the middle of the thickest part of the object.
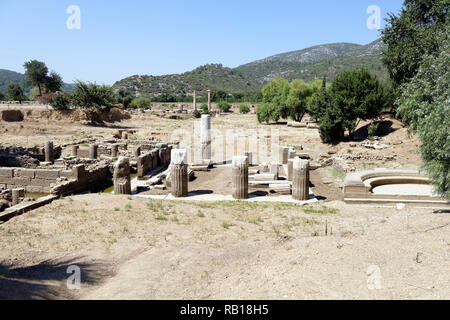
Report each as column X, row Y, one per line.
column 117, row 39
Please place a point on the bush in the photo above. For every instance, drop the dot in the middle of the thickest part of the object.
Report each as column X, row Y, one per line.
column 125, row 97
column 197, row 114
column 353, row 96
column 243, row 108
column 423, row 104
column 14, row 92
column 2, row 96
column 204, row 108
column 61, row 101
column 140, row 103
column 98, row 98
column 224, row 106
column 267, row 112
column 372, row 129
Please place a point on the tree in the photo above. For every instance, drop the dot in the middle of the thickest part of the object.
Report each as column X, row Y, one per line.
column 424, row 104
column 358, row 96
column 319, row 101
column 125, row 97
column 276, row 93
column 267, row 112
column 2, row 96
column 14, row 92
column 36, row 74
column 53, row 82
column 98, row 98
column 411, row 35
column 140, row 103
column 297, row 99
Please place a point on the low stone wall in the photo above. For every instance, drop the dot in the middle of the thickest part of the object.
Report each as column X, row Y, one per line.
column 16, row 156
column 32, row 180
column 92, row 178
column 149, row 161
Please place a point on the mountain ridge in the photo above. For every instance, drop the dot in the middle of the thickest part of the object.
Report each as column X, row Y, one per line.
column 307, row 64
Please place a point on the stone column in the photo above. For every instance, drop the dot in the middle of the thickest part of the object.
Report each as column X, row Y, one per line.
column 206, row 137
column 93, row 151
column 79, row 172
column 209, row 100
column 114, row 150
column 240, row 177
column 137, row 152
column 274, row 169
column 300, row 183
column 290, row 169
column 75, row 151
column 285, row 152
column 179, row 173
column 16, row 195
column 122, row 180
column 195, row 101
column 48, row 150
column 249, row 155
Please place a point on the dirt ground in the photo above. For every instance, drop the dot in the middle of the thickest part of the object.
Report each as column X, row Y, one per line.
column 133, row 248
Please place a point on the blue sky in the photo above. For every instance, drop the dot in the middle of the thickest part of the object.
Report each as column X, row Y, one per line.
column 122, row 38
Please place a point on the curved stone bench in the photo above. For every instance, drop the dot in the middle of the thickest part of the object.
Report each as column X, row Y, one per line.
column 358, row 187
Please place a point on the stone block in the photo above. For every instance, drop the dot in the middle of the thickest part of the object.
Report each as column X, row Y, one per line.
column 48, row 174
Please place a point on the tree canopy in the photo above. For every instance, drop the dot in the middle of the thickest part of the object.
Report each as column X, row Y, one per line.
column 14, row 92
column 425, row 105
column 36, row 74
column 411, row 35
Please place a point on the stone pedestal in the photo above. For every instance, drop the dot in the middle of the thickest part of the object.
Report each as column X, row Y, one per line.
column 240, row 178
column 137, row 152
column 274, row 169
column 290, row 169
column 16, row 195
column 93, row 151
column 48, row 150
column 285, row 155
column 114, row 150
column 206, row 137
column 75, row 151
column 300, row 183
column 179, row 173
column 79, row 172
column 249, row 155
column 122, row 180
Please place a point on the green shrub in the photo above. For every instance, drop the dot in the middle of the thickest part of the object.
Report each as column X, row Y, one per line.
column 98, row 98
column 268, row 112
column 224, row 106
column 372, row 129
column 61, row 101
column 243, row 108
column 140, row 103
column 204, row 108
column 197, row 113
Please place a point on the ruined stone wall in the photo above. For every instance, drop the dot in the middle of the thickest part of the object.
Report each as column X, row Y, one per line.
column 92, row 178
column 8, row 155
column 33, row 180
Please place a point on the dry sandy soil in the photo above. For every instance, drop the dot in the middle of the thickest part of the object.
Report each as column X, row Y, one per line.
column 133, row 248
